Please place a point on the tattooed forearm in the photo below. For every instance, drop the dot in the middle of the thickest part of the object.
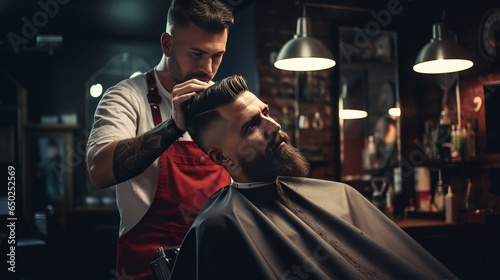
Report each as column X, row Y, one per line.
column 133, row 156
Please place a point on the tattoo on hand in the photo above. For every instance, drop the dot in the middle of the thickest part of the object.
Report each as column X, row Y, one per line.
column 133, row 156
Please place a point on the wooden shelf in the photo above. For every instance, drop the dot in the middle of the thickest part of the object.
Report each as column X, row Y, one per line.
column 421, row 223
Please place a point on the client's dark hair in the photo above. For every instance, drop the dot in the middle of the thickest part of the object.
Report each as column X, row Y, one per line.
column 201, row 110
column 210, row 15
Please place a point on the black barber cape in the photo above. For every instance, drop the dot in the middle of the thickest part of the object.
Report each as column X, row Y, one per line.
column 334, row 233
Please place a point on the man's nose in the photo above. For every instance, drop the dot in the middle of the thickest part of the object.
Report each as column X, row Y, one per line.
column 205, row 65
column 272, row 127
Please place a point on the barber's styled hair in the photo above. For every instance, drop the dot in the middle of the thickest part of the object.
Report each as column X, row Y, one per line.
column 210, row 15
column 201, row 110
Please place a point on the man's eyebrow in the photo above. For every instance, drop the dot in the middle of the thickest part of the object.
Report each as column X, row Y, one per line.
column 203, row 51
column 198, row 50
column 253, row 119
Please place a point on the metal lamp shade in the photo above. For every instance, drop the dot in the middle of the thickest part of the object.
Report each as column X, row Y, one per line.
column 304, row 53
column 351, row 106
column 441, row 55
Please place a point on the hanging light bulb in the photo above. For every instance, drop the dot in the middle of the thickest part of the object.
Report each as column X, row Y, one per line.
column 442, row 54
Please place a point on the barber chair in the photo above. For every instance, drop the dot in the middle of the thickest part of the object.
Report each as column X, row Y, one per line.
column 163, row 263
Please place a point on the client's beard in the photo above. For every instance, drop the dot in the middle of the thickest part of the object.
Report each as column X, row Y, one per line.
column 288, row 161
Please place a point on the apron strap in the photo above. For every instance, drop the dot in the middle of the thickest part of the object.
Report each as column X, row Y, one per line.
column 154, row 98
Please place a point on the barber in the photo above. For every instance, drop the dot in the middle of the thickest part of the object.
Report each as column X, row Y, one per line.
column 138, row 141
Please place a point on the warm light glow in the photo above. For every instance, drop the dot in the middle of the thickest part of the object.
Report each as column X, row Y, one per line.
column 395, row 112
column 304, row 64
column 348, row 114
column 442, row 66
column 136, row 73
column 96, row 90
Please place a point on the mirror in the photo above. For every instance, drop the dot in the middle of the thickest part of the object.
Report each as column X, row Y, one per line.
column 370, row 145
column 118, row 68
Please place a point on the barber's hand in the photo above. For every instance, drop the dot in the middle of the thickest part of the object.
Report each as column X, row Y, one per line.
column 182, row 93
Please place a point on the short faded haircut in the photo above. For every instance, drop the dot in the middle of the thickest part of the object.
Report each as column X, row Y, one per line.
column 209, row 15
column 201, row 111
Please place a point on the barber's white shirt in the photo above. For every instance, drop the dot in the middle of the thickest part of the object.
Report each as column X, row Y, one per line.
column 123, row 113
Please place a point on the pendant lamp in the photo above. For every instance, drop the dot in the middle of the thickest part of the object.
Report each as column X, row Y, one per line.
column 442, row 54
column 351, row 107
column 304, row 53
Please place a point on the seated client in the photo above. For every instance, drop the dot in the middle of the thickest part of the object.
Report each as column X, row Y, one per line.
column 274, row 223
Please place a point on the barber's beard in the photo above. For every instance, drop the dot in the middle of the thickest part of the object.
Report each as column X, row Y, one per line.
column 175, row 71
column 288, row 161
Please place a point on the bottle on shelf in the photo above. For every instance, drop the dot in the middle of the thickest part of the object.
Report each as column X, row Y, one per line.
column 369, row 156
column 398, row 203
column 444, row 136
column 450, row 205
column 429, row 141
column 439, row 199
column 423, row 189
column 317, row 121
column 470, row 142
column 457, row 137
column 471, row 202
column 439, row 195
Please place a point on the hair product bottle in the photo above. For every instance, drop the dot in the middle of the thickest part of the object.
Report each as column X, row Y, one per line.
column 450, row 204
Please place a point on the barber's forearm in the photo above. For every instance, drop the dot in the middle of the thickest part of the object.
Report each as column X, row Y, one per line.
column 131, row 157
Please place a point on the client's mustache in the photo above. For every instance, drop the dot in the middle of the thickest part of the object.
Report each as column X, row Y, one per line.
column 281, row 136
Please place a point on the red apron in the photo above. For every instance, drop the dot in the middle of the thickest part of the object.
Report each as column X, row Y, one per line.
column 187, row 179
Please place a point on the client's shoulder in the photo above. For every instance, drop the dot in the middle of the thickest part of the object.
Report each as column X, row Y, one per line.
column 221, row 211
column 215, row 200
column 219, row 192
column 313, row 182
column 218, row 204
column 320, row 186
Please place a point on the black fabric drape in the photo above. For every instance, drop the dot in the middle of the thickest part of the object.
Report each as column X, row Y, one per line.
column 325, row 230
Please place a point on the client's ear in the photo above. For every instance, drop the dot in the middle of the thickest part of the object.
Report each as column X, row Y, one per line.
column 219, row 158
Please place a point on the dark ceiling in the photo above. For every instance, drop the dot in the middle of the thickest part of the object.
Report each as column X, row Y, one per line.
column 86, row 19
column 145, row 19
